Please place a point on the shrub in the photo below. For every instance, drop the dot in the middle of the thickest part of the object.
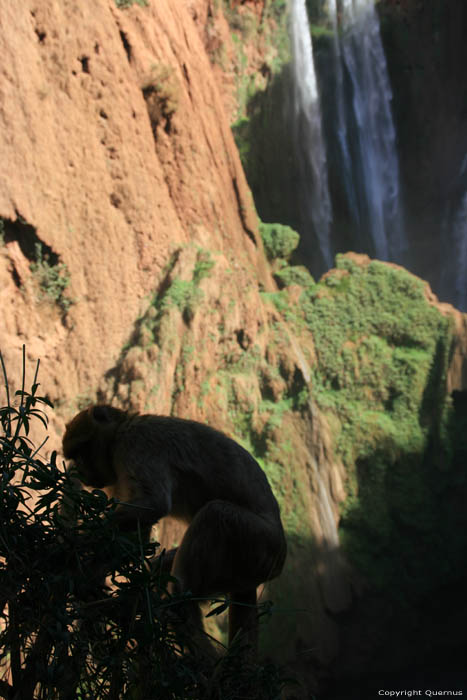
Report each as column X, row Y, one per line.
column 53, row 280
column 279, row 240
column 294, row 274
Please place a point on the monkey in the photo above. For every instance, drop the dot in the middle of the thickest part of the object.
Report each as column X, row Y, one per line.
column 159, row 465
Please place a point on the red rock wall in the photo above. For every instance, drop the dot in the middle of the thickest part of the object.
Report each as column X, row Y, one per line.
column 108, row 194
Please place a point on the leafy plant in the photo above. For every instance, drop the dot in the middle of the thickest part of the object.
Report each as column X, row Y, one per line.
column 53, row 280
column 63, row 633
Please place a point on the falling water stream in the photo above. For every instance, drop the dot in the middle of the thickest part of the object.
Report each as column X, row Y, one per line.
column 365, row 130
column 361, row 129
column 316, row 212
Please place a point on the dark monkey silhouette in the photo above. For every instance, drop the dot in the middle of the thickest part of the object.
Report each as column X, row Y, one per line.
column 157, row 466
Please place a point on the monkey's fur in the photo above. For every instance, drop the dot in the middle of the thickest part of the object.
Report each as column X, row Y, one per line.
column 160, row 466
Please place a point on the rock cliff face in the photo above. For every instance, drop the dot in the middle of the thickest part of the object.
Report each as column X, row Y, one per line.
column 131, row 264
column 115, row 151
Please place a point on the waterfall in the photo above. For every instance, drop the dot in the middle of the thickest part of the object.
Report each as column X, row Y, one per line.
column 453, row 283
column 459, row 237
column 315, row 202
column 366, row 138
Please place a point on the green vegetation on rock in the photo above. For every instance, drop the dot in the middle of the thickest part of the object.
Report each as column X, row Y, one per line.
column 53, row 280
column 279, row 240
column 380, row 346
column 122, row 4
column 184, row 294
column 380, row 377
column 269, row 35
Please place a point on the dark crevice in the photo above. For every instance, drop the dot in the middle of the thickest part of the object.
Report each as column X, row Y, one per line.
column 28, row 240
column 241, row 211
column 84, row 60
column 126, row 45
column 154, row 107
column 16, row 277
column 115, row 200
column 40, row 35
column 243, row 339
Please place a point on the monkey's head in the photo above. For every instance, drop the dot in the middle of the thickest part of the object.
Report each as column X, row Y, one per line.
column 88, row 441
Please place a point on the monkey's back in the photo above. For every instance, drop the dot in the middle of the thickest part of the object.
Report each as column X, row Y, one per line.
column 208, row 463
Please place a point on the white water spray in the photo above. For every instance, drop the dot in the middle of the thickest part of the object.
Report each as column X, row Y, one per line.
column 310, row 148
column 366, row 134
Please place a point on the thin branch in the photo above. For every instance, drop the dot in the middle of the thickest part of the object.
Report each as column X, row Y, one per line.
column 7, row 389
column 15, row 654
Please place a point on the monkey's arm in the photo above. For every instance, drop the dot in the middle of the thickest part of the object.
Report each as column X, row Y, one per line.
column 142, row 492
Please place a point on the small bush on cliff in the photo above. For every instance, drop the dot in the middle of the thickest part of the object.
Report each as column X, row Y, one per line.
column 63, row 634
column 279, row 240
column 53, row 280
column 286, row 275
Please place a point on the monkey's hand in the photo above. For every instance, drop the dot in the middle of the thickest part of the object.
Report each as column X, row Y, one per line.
column 127, row 515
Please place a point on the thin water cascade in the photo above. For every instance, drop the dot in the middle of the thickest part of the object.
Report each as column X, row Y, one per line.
column 332, row 569
column 316, row 211
column 369, row 166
